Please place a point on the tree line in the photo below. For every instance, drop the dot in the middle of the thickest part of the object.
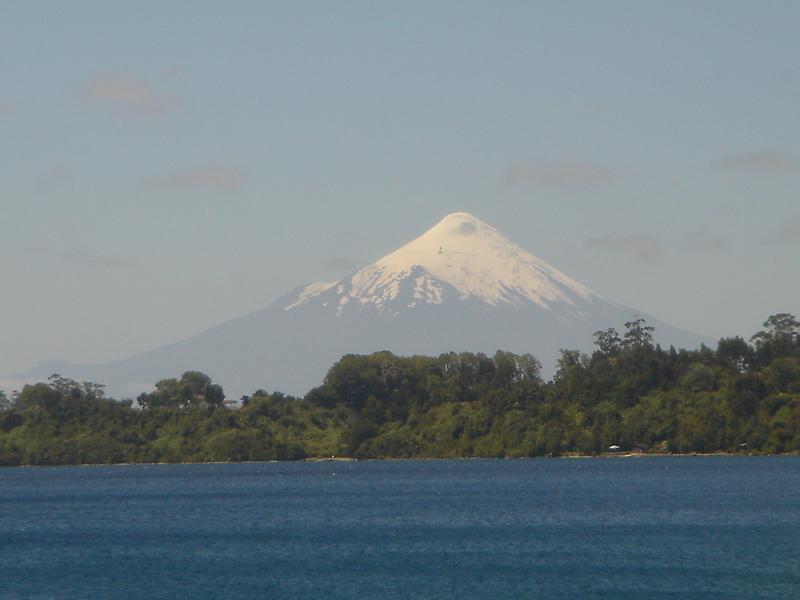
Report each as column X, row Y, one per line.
column 630, row 394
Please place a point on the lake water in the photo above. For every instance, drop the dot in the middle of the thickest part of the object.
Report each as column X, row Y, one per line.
column 712, row 527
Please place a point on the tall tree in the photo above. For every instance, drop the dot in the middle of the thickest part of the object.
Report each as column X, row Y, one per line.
column 193, row 390
column 638, row 334
column 777, row 328
column 607, row 341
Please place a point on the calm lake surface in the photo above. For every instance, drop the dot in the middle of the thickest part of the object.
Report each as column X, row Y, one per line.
column 712, row 527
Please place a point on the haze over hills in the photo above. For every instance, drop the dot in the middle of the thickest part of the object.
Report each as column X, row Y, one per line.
column 461, row 286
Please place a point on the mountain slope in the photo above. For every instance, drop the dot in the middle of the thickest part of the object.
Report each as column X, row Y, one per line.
column 468, row 255
column 460, row 286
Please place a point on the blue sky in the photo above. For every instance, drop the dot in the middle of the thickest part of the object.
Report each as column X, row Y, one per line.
column 167, row 166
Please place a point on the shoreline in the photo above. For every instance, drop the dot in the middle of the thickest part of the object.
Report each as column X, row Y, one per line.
column 419, row 459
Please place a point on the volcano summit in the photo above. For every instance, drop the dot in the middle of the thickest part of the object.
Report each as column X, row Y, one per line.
column 460, row 259
column 461, row 286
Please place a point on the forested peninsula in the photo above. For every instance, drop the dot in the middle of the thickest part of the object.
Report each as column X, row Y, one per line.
column 629, row 395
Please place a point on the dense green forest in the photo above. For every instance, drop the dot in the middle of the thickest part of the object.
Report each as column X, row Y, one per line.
column 741, row 397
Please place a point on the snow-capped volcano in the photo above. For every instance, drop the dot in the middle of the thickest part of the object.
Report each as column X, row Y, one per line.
column 460, row 255
column 460, row 286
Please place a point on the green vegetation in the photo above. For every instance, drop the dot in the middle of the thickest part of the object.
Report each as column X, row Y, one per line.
column 741, row 397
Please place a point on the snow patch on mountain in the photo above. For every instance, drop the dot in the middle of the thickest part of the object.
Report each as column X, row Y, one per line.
column 463, row 252
column 310, row 291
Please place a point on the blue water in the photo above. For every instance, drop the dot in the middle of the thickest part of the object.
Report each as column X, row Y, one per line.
column 718, row 527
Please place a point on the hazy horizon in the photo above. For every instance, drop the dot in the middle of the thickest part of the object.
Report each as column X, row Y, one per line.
column 167, row 168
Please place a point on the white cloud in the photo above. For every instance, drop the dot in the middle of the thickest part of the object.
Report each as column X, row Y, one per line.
column 81, row 258
column 772, row 161
column 701, row 240
column 210, row 177
column 564, row 174
column 127, row 92
column 55, row 177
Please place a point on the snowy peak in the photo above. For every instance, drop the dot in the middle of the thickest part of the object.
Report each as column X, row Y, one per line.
column 464, row 255
column 480, row 262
